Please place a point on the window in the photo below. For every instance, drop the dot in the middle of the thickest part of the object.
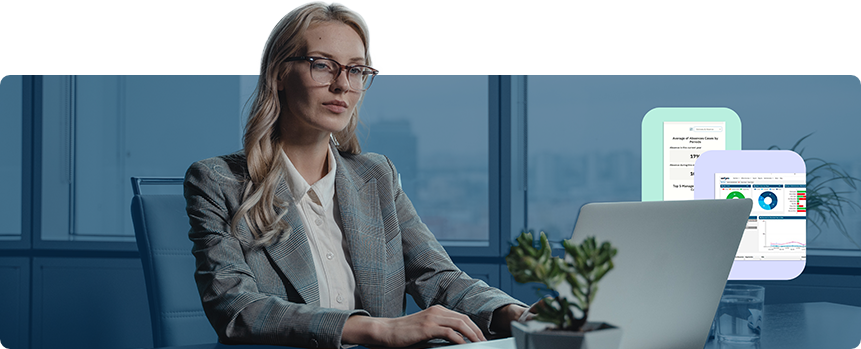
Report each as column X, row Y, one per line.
column 11, row 127
column 435, row 131
column 584, row 136
column 98, row 131
column 583, row 143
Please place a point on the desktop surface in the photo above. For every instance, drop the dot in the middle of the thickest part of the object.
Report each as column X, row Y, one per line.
column 785, row 326
column 806, row 325
column 504, row 343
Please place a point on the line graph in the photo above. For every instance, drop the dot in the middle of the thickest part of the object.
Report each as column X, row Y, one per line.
column 788, row 244
column 782, row 234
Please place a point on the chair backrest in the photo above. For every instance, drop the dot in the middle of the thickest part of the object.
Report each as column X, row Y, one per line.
column 161, row 230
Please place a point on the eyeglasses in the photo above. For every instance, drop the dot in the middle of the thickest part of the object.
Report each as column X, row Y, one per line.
column 326, row 71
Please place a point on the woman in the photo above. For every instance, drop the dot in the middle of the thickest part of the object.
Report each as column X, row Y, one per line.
column 302, row 240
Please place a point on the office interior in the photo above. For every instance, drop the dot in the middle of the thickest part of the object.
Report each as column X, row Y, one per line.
column 481, row 157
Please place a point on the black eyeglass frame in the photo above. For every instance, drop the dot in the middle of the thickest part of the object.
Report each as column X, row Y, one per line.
column 341, row 67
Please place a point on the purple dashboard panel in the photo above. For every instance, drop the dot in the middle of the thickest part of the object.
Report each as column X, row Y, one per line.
column 773, row 246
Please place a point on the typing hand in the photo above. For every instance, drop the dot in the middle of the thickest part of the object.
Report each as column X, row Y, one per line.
column 502, row 317
column 433, row 322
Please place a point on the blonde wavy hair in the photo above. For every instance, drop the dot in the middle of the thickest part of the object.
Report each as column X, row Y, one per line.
column 266, row 166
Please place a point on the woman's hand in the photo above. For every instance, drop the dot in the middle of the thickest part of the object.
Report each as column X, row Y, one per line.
column 502, row 317
column 433, row 322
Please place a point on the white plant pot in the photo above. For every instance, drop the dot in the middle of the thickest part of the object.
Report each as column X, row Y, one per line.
column 535, row 335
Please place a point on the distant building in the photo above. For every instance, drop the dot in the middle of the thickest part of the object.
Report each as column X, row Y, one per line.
column 567, row 176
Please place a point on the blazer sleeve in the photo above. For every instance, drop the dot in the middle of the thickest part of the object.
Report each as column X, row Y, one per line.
column 227, row 285
column 432, row 278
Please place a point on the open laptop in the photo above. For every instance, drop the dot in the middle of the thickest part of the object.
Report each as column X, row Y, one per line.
column 670, row 270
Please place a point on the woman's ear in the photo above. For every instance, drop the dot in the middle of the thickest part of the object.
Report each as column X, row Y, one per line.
column 281, row 77
column 280, row 81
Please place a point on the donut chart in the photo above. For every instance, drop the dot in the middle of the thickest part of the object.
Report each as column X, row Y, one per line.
column 735, row 195
column 767, row 200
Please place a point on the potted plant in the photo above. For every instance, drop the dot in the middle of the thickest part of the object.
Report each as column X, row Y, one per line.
column 824, row 204
column 555, row 324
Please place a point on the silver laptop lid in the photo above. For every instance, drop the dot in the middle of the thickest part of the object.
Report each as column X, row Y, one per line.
column 672, row 264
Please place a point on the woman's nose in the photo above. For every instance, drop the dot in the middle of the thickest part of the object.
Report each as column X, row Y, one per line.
column 341, row 82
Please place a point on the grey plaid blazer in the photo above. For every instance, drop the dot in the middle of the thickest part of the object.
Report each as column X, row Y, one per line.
column 270, row 295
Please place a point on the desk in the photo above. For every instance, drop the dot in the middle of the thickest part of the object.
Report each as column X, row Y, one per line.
column 505, row 343
column 785, row 326
column 806, row 325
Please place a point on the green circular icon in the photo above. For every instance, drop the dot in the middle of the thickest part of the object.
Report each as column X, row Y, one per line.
column 735, row 195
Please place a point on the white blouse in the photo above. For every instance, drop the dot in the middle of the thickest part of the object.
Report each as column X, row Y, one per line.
column 321, row 217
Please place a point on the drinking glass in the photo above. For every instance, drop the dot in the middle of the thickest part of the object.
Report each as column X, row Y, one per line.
column 739, row 316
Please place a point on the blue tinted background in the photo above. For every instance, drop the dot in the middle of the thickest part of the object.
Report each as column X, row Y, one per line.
column 584, row 134
column 583, row 145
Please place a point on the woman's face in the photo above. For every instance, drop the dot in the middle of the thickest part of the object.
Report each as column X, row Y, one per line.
column 310, row 107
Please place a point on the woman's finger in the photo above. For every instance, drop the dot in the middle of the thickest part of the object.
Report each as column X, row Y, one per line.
column 533, row 309
column 463, row 325
column 458, row 322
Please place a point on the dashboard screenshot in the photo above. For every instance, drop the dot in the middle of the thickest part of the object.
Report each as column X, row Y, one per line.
column 777, row 227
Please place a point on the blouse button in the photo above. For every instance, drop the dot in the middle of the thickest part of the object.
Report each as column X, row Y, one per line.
column 319, row 221
column 339, row 299
column 330, row 255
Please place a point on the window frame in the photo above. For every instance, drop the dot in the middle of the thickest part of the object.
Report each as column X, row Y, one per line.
column 34, row 155
column 500, row 150
column 819, row 260
column 31, row 106
column 506, row 169
column 507, row 130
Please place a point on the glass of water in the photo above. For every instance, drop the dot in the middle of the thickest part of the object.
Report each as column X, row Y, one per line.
column 739, row 315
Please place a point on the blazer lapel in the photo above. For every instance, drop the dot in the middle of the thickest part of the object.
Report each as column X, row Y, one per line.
column 359, row 204
column 293, row 253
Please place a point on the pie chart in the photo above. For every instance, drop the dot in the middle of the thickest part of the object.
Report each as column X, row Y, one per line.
column 735, row 195
column 767, row 200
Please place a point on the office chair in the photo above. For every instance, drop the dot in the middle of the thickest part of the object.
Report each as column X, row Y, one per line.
column 161, row 230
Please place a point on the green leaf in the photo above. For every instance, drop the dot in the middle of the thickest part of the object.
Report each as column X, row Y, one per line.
column 587, row 262
column 825, row 205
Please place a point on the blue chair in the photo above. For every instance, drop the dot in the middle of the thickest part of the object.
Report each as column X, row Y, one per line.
column 161, row 230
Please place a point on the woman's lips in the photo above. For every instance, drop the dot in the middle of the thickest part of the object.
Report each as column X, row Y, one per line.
column 336, row 106
column 337, row 109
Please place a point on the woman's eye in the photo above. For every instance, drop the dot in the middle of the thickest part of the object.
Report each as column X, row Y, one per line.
column 356, row 71
column 319, row 66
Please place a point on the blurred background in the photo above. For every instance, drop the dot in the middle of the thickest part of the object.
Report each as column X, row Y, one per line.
column 481, row 157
